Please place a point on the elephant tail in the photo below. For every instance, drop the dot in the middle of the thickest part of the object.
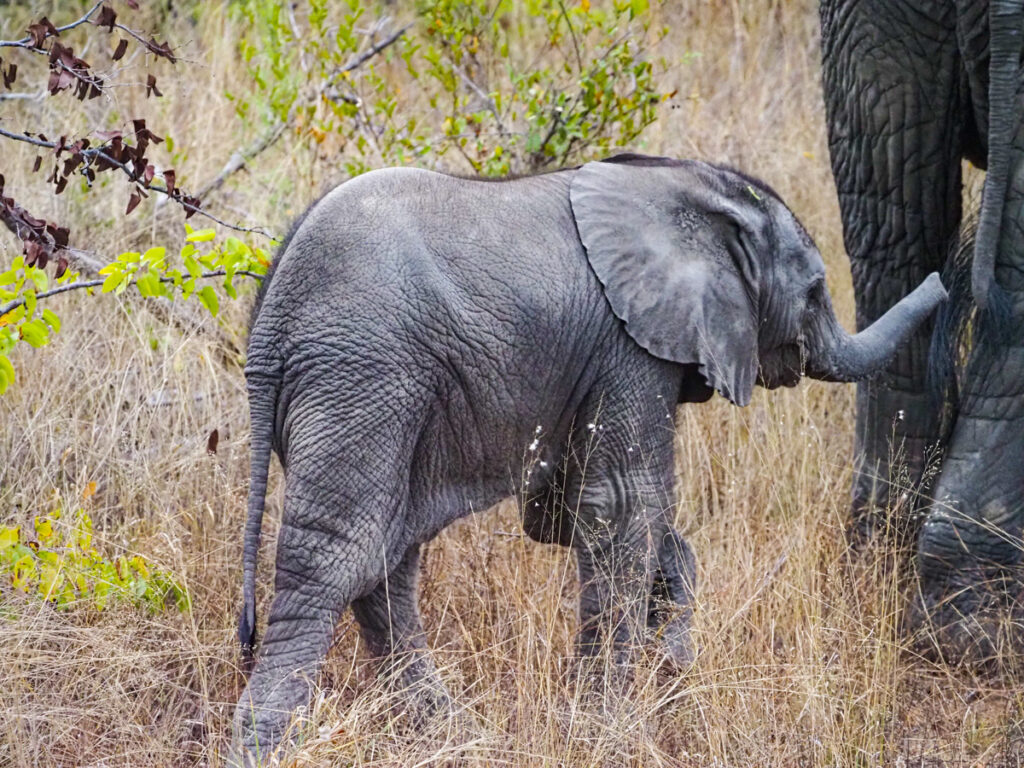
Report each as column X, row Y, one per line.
column 262, row 413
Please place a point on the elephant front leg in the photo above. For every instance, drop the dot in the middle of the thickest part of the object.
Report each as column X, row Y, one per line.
column 670, row 609
column 636, row 572
column 389, row 619
column 896, row 112
column 896, row 431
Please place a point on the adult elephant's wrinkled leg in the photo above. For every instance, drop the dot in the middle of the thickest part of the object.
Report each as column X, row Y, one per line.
column 389, row 619
column 896, row 107
column 970, row 551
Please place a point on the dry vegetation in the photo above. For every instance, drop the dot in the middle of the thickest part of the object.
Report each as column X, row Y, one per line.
column 800, row 660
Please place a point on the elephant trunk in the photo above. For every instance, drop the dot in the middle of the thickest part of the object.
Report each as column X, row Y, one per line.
column 1005, row 18
column 835, row 355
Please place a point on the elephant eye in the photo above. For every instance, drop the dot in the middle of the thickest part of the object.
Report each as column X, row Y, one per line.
column 813, row 296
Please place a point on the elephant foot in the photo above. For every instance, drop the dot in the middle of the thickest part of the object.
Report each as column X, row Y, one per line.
column 262, row 731
column 980, row 624
column 670, row 606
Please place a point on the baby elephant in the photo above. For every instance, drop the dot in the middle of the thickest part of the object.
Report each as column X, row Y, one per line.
column 428, row 345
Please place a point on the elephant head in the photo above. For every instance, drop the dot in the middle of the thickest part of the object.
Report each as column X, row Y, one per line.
column 707, row 266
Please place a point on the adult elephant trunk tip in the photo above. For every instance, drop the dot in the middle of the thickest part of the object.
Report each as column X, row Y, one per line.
column 847, row 357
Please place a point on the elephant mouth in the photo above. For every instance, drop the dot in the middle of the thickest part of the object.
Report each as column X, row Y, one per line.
column 783, row 367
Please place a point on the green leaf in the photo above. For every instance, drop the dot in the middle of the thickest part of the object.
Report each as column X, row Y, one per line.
column 9, row 537
column 52, row 320
column 192, row 266
column 208, row 298
column 201, row 236
column 154, row 256
column 35, row 333
column 149, row 284
column 6, row 373
column 113, row 280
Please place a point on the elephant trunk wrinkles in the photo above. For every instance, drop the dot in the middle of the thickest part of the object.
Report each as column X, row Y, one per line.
column 839, row 356
column 1005, row 46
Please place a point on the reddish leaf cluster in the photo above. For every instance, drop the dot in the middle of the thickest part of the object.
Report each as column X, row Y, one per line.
column 125, row 151
column 39, row 31
column 41, row 240
column 115, row 152
column 66, row 70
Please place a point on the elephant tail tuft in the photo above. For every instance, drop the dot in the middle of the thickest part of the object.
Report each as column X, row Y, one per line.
column 262, row 409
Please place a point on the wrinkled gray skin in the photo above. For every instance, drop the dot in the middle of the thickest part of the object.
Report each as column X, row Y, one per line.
column 911, row 88
column 429, row 345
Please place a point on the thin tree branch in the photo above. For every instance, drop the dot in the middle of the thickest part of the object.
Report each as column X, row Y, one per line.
column 240, row 157
column 21, row 43
column 99, row 281
column 97, row 152
column 368, row 54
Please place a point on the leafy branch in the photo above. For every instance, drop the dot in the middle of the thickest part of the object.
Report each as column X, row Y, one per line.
column 24, row 285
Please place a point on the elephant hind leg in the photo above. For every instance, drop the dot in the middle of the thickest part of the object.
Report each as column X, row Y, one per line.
column 326, row 557
column 389, row 619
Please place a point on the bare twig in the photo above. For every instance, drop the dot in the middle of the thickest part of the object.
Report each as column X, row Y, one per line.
column 240, row 157
column 98, row 153
column 37, row 96
column 366, row 55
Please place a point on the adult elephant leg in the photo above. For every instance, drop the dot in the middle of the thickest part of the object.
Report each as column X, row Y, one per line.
column 389, row 618
column 896, row 105
column 970, row 550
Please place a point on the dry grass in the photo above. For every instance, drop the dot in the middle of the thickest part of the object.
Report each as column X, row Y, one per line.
column 800, row 661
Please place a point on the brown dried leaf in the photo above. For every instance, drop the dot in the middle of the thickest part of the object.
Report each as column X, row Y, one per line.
column 122, row 46
column 9, row 74
column 169, row 176
column 41, row 30
column 37, row 163
column 212, row 440
column 151, row 86
column 59, row 235
column 160, row 49
column 133, row 201
column 191, row 205
column 106, row 18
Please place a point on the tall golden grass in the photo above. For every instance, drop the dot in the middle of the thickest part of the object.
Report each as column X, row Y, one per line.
column 800, row 662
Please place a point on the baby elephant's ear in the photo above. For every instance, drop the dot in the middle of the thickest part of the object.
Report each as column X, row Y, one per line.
column 676, row 249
